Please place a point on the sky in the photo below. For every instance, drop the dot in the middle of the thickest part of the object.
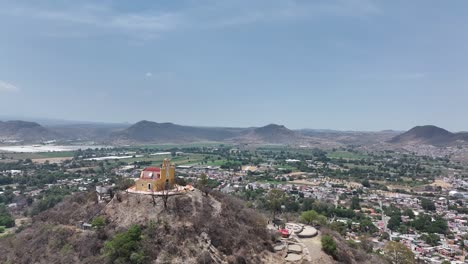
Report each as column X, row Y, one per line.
column 344, row 64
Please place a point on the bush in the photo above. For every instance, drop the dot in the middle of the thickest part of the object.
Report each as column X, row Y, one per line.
column 98, row 222
column 2, row 229
column 329, row 245
column 312, row 217
column 5, row 217
column 123, row 245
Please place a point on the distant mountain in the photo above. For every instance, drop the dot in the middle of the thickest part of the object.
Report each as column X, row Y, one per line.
column 25, row 131
column 100, row 132
column 271, row 134
column 431, row 135
column 148, row 132
column 350, row 137
column 152, row 132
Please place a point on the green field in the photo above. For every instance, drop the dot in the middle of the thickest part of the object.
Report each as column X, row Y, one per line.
column 346, row 155
column 286, row 167
column 157, row 160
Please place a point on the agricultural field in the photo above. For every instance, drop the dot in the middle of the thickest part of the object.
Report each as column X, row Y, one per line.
column 340, row 154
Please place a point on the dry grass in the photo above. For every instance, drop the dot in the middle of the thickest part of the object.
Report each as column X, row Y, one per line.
column 51, row 160
column 235, row 233
column 441, row 183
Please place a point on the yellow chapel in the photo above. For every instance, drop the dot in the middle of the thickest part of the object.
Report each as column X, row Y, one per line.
column 153, row 179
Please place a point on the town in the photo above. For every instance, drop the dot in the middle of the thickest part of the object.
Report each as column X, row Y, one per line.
column 368, row 197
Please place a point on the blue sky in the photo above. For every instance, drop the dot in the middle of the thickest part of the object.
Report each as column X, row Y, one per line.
column 345, row 64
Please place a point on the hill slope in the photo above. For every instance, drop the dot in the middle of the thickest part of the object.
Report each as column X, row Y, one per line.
column 194, row 229
column 147, row 131
column 271, row 134
column 25, row 131
column 429, row 134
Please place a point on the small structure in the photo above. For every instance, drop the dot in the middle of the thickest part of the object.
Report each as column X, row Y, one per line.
column 155, row 179
column 84, row 226
column 104, row 193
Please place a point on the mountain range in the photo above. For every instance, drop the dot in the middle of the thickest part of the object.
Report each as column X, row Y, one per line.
column 152, row 132
column 147, row 132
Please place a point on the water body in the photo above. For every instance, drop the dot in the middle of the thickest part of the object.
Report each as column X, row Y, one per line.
column 47, row 148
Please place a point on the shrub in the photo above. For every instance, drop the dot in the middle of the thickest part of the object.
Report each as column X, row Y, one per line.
column 329, row 245
column 123, row 245
column 98, row 222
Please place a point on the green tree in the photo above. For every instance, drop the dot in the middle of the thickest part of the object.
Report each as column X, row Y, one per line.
column 121, row 247
column 394, row 222
column 398, row 253
column 274, row 199
column 203, row 184
column 365, row 183
column 427, row 204
column 5, row 217
column 355, row 203
column 312, row 217
column 409, row 212
column 431, row 239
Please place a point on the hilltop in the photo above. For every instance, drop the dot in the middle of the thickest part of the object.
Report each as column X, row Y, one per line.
column 194, row 229
column 429, row 134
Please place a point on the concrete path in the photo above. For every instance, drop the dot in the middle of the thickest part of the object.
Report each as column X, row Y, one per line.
column 314, row 245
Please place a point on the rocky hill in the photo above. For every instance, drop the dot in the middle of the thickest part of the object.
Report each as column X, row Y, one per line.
column 25, row 131
column 431, row 135
column 137, row 229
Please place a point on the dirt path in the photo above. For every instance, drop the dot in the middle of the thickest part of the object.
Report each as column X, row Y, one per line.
column 315, row 250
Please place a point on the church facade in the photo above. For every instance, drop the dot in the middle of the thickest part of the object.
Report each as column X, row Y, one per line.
column 153, row 179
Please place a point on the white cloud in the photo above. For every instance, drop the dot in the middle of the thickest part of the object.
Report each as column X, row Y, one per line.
column 203, row 14
column 7, row 87
column 83, row 18
column 161, row 76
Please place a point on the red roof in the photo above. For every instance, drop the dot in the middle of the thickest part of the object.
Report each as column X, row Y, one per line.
column 152, row 169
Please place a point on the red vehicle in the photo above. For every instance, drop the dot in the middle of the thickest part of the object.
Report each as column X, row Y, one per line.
column 284, row 233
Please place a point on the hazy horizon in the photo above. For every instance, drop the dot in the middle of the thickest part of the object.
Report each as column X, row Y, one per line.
column 361, row 65
column 60, row 122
